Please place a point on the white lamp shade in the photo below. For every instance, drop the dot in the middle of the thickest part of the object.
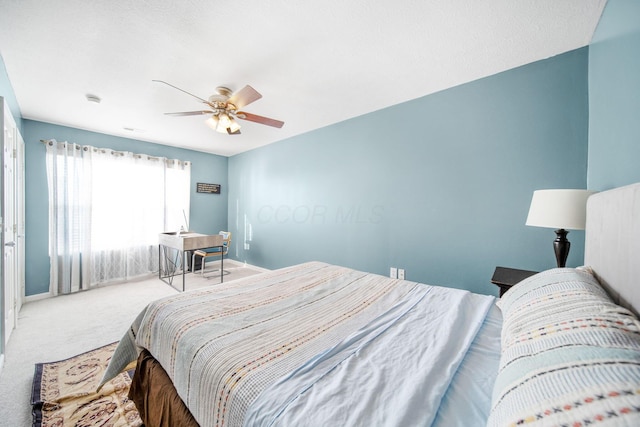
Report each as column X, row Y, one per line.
column 559, row 209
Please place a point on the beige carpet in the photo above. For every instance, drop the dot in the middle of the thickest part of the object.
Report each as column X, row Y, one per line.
column 61, row 327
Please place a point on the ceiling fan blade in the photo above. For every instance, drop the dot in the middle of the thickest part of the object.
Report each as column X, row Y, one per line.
column 181, row 90
column 190, row 113
column 244, row 96
column 259, row 119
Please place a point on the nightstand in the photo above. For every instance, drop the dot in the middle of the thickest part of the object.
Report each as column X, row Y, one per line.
column 505, row 277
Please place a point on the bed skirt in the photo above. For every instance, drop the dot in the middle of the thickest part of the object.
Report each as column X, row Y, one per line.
column 155, row 396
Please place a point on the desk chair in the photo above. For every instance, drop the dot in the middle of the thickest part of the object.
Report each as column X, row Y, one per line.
column 214, row 252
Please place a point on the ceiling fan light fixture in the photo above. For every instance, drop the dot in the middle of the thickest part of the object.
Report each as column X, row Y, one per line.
column 226, row 124
column 223, row 122
column 212, row 122
column 234, row 127
column 224, row 109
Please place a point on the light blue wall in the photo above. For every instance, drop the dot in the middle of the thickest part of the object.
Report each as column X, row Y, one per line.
column 439, row 186
column 208, row 211
column 614, row 97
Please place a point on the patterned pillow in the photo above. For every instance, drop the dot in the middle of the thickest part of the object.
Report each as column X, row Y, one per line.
column 570, row 356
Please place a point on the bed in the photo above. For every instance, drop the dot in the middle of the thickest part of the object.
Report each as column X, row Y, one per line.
column 318, row 344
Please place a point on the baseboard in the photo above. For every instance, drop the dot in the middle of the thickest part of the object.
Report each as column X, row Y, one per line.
column 255, row 267
column 36, row 297
column 228, row 263
column 234, row 263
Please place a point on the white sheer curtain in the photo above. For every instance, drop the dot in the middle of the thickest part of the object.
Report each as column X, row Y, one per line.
column 106, row 209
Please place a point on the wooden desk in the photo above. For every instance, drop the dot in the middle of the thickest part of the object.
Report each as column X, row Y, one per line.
column 173, row 248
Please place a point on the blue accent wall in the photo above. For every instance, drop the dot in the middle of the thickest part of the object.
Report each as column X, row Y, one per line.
column 614, row 97
column 439, row 186
column 208, row 211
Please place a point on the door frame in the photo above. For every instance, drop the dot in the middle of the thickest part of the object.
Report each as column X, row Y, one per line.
column 16, row 228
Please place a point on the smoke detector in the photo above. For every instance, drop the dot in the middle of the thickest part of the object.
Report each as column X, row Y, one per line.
column 93, row 98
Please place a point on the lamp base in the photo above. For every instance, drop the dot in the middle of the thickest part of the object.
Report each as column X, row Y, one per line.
column 561, row 247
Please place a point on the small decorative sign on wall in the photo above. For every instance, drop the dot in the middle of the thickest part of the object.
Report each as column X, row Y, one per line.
column 202, row 187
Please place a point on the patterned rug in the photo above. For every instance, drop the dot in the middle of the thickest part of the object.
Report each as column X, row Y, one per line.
column 64, row 393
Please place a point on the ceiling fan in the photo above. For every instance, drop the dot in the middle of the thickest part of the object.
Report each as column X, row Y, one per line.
column 225, row 108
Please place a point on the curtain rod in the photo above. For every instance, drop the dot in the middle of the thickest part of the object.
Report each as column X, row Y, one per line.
column 120, row 153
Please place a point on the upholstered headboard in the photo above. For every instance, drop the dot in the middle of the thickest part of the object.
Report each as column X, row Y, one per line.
column 612, row 246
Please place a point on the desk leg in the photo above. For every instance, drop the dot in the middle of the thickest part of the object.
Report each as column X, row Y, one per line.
column 222, row 266
column 168, row 264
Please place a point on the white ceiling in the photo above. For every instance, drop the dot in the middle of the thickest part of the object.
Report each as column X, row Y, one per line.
column 315, row 63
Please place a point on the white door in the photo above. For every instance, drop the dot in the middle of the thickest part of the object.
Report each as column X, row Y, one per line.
column 10, row 277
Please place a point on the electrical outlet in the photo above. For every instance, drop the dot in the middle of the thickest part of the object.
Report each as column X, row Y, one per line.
column 393, row 273
column 401, row 273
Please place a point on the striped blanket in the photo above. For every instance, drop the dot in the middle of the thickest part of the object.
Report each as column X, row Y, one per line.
column 223, row 346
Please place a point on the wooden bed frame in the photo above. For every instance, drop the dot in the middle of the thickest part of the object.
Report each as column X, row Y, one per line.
column 612, row 245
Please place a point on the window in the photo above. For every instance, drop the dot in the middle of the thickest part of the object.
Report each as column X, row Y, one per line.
column 106, row 209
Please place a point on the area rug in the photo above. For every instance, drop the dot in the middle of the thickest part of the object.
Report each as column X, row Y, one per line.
column 64, row 393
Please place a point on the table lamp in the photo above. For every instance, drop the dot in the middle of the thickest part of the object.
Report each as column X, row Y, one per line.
column 562, row 210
